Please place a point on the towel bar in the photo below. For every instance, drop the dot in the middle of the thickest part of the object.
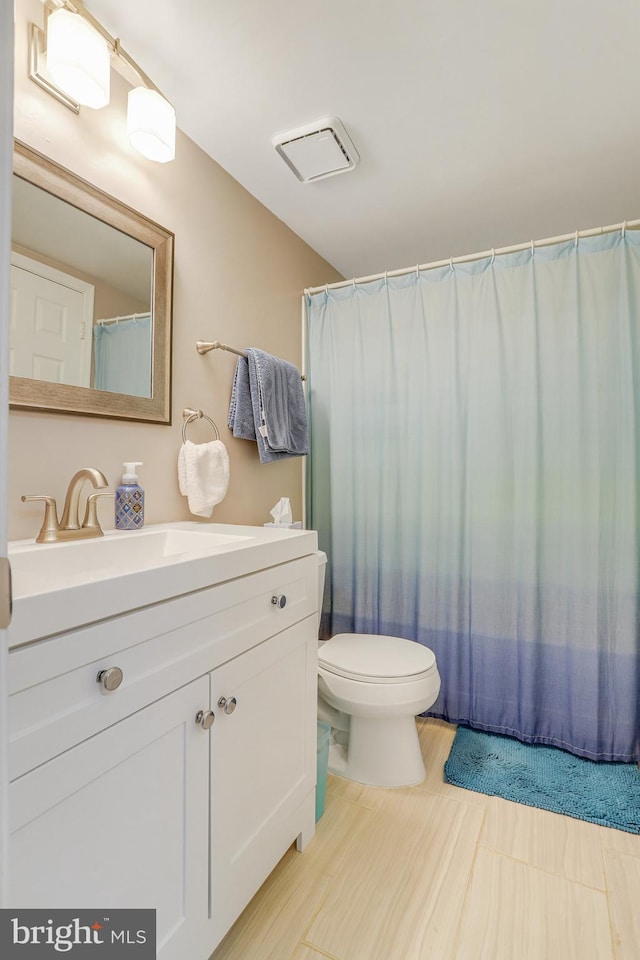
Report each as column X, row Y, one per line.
column 204, row 346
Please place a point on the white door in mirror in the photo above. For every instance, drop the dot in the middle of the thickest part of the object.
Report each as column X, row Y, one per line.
column 52, row 340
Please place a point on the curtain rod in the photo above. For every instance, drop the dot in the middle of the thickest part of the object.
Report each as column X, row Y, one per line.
column 469, row 258
column 128, row 316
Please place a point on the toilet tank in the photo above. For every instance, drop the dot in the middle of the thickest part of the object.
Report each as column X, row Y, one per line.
column 322, row 567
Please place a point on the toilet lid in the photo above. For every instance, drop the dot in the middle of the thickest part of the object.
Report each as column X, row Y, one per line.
column 366, row 656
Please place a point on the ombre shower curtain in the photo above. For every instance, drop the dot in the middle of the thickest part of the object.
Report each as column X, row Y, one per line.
column 474, row 478
column 122, row 356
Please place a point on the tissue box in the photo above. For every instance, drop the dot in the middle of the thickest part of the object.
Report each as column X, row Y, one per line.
column 286, row 526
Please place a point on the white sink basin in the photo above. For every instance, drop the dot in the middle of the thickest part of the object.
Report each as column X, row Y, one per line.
column 41, row 568
column 61, row 586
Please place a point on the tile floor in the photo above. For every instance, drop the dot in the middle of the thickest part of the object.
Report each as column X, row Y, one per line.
column 435, row 872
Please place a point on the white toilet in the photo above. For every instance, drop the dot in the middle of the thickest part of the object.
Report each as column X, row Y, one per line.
column 370, row 689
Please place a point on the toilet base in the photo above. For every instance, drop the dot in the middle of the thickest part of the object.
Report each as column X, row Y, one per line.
column 379, row 753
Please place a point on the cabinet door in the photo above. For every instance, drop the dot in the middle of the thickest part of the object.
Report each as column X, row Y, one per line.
column 122, row 821
column 263, row 766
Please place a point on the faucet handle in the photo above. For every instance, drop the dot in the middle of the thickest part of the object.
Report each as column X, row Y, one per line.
column 49, row 530
column 91, row 521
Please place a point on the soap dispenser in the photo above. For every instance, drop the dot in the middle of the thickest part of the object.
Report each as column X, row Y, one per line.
column 130, row 500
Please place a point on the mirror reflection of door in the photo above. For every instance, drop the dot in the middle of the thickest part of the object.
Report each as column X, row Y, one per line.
column 50, row 325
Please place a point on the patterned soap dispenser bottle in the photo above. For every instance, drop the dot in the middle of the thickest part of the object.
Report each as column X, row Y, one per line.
column 130, row 500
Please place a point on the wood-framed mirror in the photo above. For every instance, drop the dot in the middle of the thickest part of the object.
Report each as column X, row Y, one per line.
column 91, row 299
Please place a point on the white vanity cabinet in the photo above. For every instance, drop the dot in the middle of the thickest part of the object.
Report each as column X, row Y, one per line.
column 118, row 821
column 262, row 769
column 181, row 788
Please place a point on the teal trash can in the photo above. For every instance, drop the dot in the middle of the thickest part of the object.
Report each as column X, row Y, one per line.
column 324, row 732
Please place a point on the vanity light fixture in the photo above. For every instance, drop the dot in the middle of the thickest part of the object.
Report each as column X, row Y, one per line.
column 78, row 59
column 79, row 52
column 151, row 124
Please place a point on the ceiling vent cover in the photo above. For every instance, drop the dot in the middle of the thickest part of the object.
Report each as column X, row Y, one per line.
column 317, row 150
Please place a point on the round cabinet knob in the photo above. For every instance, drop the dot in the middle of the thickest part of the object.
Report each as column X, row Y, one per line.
column 279, row 601
column 205, row 718
column 228, row 704
column 111, row 678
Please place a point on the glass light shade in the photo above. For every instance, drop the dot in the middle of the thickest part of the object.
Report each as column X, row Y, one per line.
column 151, row 125
column 78, row 59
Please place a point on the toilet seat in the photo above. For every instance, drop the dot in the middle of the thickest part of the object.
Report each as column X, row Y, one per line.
column 375, row 659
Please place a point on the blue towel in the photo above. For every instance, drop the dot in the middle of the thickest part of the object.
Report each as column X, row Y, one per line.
column 268, row 406
column 278, row 406
column 240, row 420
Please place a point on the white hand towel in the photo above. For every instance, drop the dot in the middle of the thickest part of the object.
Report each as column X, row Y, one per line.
column 203, row 475
column 182, row 472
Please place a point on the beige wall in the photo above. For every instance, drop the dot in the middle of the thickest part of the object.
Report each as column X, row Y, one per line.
column 239, row 275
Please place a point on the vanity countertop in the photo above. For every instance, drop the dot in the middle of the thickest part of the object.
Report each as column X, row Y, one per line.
column 61, row 586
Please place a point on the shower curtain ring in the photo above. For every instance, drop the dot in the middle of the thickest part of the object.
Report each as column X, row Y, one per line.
column 493, row 254
column 451, row 264
column 624, row 228
column 533, row 249
column 576, row 242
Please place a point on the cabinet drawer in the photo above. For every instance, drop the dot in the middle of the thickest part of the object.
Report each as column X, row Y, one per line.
column 55, row 700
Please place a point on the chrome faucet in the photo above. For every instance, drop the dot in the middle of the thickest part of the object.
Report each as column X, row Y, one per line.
column 69, row 527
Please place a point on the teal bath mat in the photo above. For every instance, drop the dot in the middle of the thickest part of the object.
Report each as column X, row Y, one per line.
column 545, row 777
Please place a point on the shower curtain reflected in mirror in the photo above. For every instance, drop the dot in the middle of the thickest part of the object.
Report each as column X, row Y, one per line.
column 122, row 356
column 474, row 481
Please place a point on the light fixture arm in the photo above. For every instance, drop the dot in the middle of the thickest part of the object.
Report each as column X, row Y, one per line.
column 122, row 54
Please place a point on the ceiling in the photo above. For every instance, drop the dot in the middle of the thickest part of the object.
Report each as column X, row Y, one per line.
column 478, row 124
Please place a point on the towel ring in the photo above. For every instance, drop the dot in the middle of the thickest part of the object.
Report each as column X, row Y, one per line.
column 190, row 416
